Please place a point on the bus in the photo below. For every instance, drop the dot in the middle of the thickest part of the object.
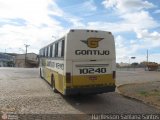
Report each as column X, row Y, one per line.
column 81, row 62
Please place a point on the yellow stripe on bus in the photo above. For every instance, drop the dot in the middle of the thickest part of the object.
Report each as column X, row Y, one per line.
column 101, row 80
column 78, row 80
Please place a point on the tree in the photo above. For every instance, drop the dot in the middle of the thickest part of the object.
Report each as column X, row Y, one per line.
column 134, row 64
column 10, row 63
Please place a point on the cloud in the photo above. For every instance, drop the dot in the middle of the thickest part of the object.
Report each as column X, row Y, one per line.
column 16, row 22
column 127, row 11
column 127, row 24
column 121, row 47
column 144, row 34
column 150, row 39
column 137, row 48
column 33, row 11
column 157, row 11
column 84, row 7
column 76, row 23
column 28, row 21
column 125, row 49
column 124, row 6
column 16, row 36
column 140, row 20
column 109, row 3
column 134, row 18
column 132, row 14
column 89, row 5
column 116, row 27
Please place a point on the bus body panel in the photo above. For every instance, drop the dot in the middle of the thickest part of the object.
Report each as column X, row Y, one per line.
column 92, row 73
column 80, row 42
column 87, row 66
column 59, row 79
column 55, row 68
column 92, row 63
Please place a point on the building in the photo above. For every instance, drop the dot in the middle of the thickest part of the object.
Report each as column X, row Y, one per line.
column 124, row 64
column 26, row 60
column 6, row 60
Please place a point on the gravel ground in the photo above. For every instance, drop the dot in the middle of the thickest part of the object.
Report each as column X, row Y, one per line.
column 23, row 92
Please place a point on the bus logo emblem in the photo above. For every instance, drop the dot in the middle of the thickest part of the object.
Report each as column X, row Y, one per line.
column 92, row 42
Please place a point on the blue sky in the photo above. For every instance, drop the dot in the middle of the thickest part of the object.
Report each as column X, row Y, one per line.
column 135, row 24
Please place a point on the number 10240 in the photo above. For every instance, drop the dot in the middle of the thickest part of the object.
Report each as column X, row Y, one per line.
column 92, row 70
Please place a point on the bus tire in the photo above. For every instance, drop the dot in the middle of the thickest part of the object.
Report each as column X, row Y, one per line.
column 53, row 84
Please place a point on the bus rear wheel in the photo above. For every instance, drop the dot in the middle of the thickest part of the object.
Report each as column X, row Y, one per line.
column 53, row 84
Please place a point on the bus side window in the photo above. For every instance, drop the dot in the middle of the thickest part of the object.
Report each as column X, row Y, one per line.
column 41, row 55
column 59, row 48
column 41, row 52
column 62, row 52
column 53, row 51
column 49, row 51
column 45, row 52
column 51, row 47
column 56, row 49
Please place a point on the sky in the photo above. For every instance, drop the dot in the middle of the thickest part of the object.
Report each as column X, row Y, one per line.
column 135, row 24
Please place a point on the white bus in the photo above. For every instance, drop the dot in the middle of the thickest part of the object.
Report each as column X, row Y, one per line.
column 81, row 62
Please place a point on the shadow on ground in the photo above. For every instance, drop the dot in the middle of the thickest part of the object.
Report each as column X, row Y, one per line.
column 108, row 103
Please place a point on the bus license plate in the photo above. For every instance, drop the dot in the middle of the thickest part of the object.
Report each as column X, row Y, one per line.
column 93, row 77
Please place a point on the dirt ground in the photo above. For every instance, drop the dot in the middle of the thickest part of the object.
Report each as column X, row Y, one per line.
column 148, row 92
column 140, row 84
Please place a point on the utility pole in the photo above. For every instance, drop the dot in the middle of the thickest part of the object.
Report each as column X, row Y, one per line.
column 147, row 56
column 147, row 61
column 26, row 53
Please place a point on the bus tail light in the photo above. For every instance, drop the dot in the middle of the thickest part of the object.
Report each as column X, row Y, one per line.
column 114, row 75
column 68, row 77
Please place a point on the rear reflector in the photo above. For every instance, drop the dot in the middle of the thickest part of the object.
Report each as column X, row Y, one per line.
column 68, row 77
column 114, row 75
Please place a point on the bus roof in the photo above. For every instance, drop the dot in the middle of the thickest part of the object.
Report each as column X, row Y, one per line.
column 76, row 30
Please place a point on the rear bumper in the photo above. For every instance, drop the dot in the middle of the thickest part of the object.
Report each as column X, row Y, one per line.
column 89, row 90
